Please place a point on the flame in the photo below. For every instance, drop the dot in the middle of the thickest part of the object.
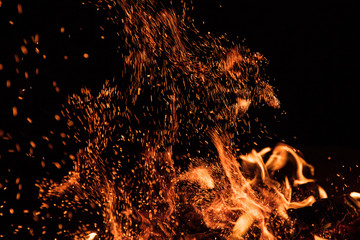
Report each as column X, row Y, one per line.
column 242, row 203
column 319, row 238
column 355, row 195
column 279, row 159
column 241, row 226
column 158, row 155
column 200, row 175
column 91, row 236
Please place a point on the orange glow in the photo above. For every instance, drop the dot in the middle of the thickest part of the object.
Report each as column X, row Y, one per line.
column 14, row 111
column 24, row 50
column 159, row 158
column 355, row 195
column 19, row 8
column 91, row 236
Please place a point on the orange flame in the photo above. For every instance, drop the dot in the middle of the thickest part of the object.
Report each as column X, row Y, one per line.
column 128, row 167
column 240, row 203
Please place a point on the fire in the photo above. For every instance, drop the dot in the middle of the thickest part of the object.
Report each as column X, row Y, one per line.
column 355, row 195
column 160, row 152
column 242, row 203
column 91, row 236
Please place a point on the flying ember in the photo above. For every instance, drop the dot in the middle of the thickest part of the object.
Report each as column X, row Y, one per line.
column 169, row 149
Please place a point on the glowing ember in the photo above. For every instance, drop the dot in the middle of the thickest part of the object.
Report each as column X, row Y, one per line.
column 355, row 195
column 159, row 154
column 91, row 236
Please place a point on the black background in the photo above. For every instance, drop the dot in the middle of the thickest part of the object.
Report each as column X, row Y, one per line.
column 313, row 53
column 312, row 48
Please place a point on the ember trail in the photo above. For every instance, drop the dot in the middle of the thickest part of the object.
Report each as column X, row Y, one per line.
column 164, row 150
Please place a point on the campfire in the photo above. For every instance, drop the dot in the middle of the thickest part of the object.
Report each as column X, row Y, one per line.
column 167, row 150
